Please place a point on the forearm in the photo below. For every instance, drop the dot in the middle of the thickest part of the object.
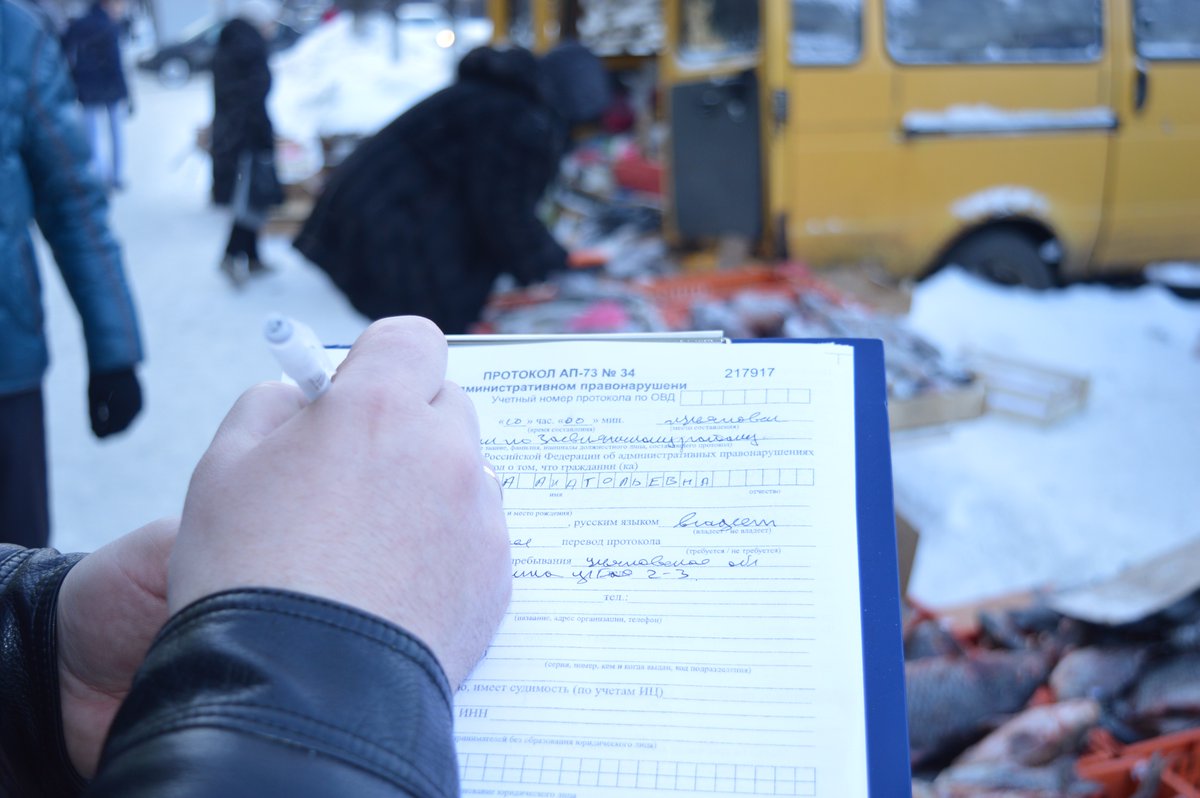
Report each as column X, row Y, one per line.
column 258, row 692
column 31, row 738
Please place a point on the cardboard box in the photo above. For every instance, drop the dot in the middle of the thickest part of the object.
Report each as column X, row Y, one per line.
column 938, row 407
column 907, row 539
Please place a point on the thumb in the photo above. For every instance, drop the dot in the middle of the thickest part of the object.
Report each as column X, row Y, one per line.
column 144, row 554
column 256, row 414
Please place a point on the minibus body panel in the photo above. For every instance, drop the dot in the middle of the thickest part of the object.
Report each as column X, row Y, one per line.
column 1152, row 203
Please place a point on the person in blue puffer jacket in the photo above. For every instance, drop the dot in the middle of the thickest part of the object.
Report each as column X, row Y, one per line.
column 45, row 178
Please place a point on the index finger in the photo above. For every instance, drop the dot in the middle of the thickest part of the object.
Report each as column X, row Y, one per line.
column 404, row 353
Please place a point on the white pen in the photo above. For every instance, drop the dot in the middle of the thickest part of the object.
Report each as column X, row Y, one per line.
column 300, row 354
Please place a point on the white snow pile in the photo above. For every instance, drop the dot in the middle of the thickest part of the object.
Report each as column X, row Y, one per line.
column 1175, row 274
column 1002, row 201
column 1003, row 504
column 343, row 80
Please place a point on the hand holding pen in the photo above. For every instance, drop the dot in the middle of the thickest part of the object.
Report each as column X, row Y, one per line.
column 374, row 496
column 300, row 353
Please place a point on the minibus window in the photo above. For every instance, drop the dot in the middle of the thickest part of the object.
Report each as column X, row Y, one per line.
column 826, row 32
column 712, row 31
column 1168, row 29
column 629, row 27
column 994, row 31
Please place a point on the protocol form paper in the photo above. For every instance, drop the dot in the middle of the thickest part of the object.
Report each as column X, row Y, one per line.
column 685, row 613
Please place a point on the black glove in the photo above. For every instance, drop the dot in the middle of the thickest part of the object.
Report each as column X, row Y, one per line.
column 114, row 399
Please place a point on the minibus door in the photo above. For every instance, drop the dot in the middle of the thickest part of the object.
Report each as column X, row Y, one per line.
column 709, row 73
column 1152, row 209
column 831, row 145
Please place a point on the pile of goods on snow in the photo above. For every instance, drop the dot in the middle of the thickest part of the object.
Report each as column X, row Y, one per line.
column 607, row 207
column 639, row 290
column 1035, row 703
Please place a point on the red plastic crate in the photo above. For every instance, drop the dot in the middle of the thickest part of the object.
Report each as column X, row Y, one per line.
column 636, row 173
column 1116, row 767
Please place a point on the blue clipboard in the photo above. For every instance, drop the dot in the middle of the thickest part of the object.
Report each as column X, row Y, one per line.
column 889, row 771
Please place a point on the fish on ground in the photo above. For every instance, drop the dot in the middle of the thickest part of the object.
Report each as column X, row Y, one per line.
column 953, row 700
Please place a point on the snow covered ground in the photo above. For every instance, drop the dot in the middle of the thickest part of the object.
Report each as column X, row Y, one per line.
column 203, row 339
column 1004, row 504
column 1001, row 504
column 340, row 80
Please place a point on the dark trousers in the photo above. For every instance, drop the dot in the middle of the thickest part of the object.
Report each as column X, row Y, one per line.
column 24, row 496
column 248, row 218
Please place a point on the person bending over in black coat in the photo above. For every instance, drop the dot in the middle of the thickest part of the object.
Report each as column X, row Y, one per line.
column 423, row 216
column 243, row 139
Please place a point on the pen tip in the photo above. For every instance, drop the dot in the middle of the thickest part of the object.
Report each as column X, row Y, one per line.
column 277, row 328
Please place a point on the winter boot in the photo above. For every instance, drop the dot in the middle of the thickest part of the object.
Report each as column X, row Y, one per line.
column 249, row 242
column 257, row 268
column 236, row 266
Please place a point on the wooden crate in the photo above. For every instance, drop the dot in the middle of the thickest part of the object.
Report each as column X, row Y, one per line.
column 288, row 218
column 1035, row 393
column 907, row 540
column 872, row 287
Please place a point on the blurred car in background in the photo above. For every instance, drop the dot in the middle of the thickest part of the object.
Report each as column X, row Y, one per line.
column 428, row 19
column 174, row 64
column 304, row 15
column 430, row 22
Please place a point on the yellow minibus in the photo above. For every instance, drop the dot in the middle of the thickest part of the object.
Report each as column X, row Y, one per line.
column 1031, row 141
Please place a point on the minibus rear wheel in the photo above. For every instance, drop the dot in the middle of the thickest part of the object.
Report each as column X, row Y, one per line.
column 1003, row 255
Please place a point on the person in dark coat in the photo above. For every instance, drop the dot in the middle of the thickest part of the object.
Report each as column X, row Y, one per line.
column 423, row 216
column 243, row 139
column 93, row 48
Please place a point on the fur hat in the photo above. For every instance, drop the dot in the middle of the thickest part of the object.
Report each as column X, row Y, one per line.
column 576, row 83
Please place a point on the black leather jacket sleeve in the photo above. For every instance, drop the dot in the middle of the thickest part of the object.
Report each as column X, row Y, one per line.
column 33, row 756
column 264, row 692
column 247, row 693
